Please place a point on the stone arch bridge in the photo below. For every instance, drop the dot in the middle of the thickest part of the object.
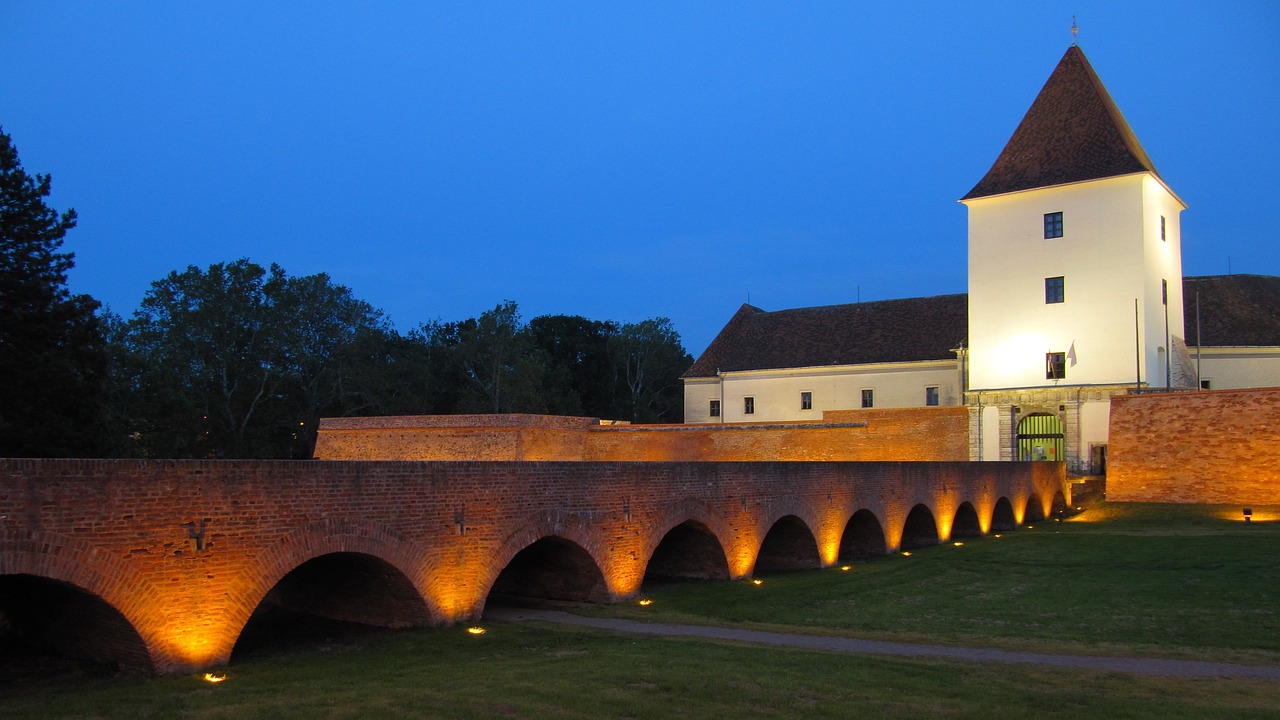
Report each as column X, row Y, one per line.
column 159, row 565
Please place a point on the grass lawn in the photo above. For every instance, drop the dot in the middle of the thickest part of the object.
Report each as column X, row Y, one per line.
column 1129, row 579
column 1133, row 580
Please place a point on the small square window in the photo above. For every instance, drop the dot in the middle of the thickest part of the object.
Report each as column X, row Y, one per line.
column 868, row 398
column 806, row 400
column 1206, row 385
column 748, row 406
column 1054, row 290
column 1055, row 366
column 931, row 396
column 715, row 408
column 1052, row 225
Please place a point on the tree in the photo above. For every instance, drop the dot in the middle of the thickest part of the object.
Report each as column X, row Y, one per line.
column 52, row 355
column 241, row 361
column 649, row 360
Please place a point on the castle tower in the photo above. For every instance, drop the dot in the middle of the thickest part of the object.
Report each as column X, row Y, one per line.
column 1075, row 277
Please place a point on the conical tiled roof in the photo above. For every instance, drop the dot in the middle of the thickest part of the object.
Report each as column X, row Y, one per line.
column 1072, row 133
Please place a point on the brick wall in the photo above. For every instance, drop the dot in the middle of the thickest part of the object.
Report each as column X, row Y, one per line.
column 935, row 434
column 185, row 551
column 1206, row 447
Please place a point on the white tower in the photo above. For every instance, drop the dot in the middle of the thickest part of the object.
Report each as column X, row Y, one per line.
column 1075, row 276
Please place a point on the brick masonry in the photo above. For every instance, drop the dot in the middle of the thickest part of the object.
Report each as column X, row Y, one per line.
column 184, row 551
column 935, row 434
column 1217, row 447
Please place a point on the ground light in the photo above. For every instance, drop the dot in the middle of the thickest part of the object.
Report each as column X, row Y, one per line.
column 959, row 544
column 644, row 602
column 906, row 553
column 846, row 568
column 476, row 630
column 757, row 581
column 215, row 678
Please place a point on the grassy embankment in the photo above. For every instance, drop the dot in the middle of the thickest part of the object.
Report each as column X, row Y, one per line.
column 1128, row 580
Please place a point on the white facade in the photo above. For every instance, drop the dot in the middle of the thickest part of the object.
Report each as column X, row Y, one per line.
column 780, row 395
column 1112, row 261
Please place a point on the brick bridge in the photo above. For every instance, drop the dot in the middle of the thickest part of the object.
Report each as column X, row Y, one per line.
column 159, row 565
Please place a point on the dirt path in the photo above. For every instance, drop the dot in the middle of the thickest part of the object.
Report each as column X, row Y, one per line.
column 1137, row 666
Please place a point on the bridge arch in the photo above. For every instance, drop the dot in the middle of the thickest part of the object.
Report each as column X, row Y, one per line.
column 1002, row 517
column 920, row 529
column 355, row 546
column 965, row 522
column 788, row 545
column 554, row 551
column 688, row 551
column 82, row 603
column 863, row 537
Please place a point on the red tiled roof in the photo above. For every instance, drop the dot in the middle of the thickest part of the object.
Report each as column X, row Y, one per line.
column 1235, row 310
column 1073, row 132
column 907, row 330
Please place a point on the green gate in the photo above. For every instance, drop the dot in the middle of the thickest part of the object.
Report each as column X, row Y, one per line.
column 1040, row 438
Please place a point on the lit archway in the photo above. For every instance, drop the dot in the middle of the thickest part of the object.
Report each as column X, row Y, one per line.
column 789, row 545
column 688, row 552
column 1002, row 517
column 552, row 568
column 334, row 594
column 920, row 528
column 863, row 537
column 1041, row 437
column 40, row 617
column 966, row 522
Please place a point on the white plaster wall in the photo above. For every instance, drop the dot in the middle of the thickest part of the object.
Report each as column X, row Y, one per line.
column 1108, row 258
column 991, row 433
column 1236, row 368
column 777, row 393
column 1095, row 420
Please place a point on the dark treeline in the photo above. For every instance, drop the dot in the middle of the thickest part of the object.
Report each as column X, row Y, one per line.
column 240, row 361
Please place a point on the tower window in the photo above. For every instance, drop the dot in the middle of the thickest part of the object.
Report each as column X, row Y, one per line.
column 806, row 400
column 748, row 406
column 715, row 408
column 1055, row 366
column 1162, row 228
column 868, row 398
column 1054, row 290
column 1052, row 225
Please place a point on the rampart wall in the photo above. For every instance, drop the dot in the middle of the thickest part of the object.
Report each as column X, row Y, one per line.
column 1213, row 447
column 935, row 434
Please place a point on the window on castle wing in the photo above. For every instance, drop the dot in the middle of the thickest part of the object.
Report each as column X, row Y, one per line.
column 1052, row 225
column 1055, row 366
column 931, row 396
column 806, row 401
column 1054, row 290
column 715, row 408
column 748, row 406
column 1162, row 228
column 868, row 398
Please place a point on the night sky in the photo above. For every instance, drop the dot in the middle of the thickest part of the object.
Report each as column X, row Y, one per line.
column 620, row 161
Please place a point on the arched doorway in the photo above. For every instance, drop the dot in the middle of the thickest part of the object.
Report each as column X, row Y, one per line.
column 1040, row 437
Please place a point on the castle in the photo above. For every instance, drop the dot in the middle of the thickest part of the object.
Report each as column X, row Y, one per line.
column 1076, row 294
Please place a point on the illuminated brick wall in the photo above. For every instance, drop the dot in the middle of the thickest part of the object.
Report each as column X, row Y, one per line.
column 935, row 434
column 184, row 551
column 1207, row 447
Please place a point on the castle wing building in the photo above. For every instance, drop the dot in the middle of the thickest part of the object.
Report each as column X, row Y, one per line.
column 1076, row 294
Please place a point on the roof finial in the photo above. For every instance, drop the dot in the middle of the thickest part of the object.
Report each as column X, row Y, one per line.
column 1074, row 30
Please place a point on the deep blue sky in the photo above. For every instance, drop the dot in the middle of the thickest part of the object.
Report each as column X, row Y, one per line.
column 615, row 160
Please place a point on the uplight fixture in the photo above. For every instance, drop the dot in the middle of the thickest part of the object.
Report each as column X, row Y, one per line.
column 476, row 630
column 644, row 602
column 757, row 581
column 215, row 678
